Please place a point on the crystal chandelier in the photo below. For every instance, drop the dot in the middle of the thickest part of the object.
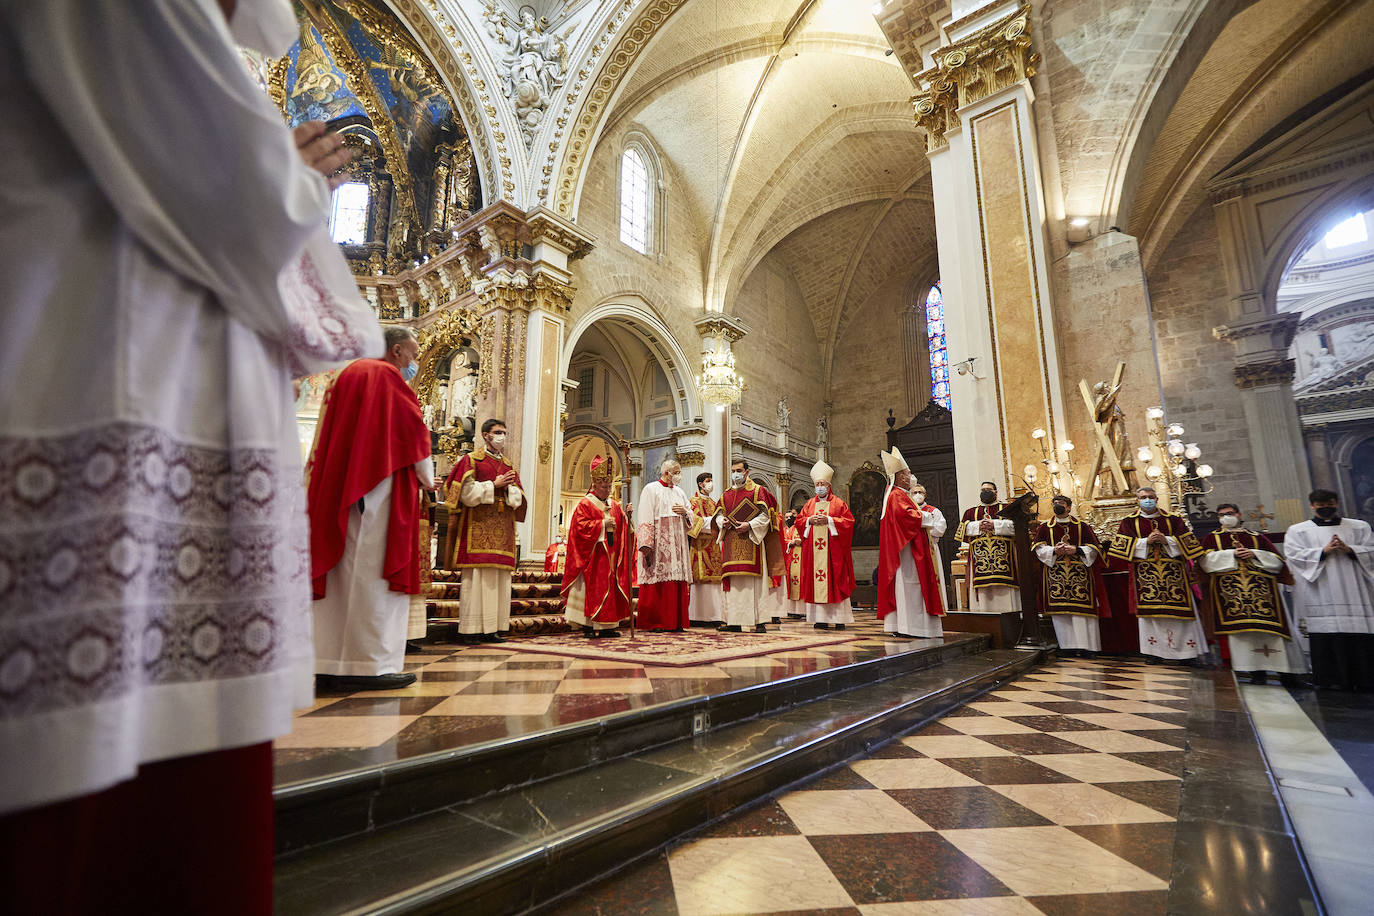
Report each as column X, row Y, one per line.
column 718, row 382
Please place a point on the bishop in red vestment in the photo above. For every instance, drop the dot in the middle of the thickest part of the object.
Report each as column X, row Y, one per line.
column 596, row 579
column 910, row 597
column 371, row 457
column 827, row 565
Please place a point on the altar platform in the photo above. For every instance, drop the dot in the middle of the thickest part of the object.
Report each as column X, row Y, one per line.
column 507, row 770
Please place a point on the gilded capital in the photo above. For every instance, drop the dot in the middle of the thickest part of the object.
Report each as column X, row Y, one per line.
column 1272, row 372
column 994, row 57
column 691, row 458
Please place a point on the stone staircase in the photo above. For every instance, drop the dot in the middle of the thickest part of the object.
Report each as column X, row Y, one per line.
column 535, row 605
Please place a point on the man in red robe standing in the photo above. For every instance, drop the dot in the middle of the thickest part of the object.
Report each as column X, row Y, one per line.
column 792, row 542
column 371, row 458
column 485, row 502
column 827, row 565
column 596, row 579
column 557, row 555
column 910, row 599
column 751, row 553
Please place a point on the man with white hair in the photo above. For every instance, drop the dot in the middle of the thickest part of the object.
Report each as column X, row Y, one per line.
column 827, row 566
column 910, row 587
column 665, row 561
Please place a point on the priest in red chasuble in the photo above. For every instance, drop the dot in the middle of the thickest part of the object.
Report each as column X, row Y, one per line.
column 596, row 580
column 827, row 566
column 1071, row 588
column 1157, row 547
column 557, row 555
column 751, row 552
column 1244, row 570
column 910, row 593
column 993, row 582
column 371, row 457
column 485, row 501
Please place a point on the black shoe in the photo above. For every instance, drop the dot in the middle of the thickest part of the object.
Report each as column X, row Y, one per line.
column 1296, row 681
column 493, row 637
column 470, row 639
column 1256, row 677
column 839, row 626
column 760, row 628
column 822, row 626
column 376, row 682
column 727, row 628
column 413, row 646
column 609, row 634
column 777, row 620
column 589, row 632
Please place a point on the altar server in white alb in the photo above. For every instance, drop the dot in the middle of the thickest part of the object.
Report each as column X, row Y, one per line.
column 910, row 585
column 665, row 561
column 1332, row 559
column 165, row 270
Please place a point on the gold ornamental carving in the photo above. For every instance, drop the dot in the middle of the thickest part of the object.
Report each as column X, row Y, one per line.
column 545, row 451
column 486, row 336
column 989, row 60
column 438, row 340
column 691, row 459
column 1273, row 372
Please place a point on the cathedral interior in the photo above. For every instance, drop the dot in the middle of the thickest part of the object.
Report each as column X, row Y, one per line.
column 1065, row 246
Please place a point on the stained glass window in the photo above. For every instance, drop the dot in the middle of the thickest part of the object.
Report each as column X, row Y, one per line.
column 634, row 201
column 348, row 218
column 939, row 352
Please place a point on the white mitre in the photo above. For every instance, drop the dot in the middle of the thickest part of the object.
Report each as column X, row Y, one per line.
column 893, row 462
column 822, row 472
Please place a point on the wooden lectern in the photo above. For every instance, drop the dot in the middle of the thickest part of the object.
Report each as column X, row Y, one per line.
column 1024, row 511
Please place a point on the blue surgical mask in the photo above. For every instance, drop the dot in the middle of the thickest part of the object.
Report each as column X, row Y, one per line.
column 736, row 479
column 409, row 372
column 1148, row 505
column 821, row 491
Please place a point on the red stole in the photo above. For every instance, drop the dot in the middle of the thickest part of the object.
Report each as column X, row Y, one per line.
column 371, row 429
column 827, row 565
column 903, row 524
column 603, row 563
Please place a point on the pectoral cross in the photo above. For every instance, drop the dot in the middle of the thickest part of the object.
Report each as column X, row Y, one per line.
column 1262, row 517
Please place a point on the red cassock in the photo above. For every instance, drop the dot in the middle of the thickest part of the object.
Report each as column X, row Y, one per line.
column 826, row 561
column 372, row 429
column 902, row 525
column 604, row 564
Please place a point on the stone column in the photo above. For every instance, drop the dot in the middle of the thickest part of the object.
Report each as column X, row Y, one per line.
column 975, row 104
column 721, row 330
column 1264, row 375
column 1319, row 457
column 519, row 267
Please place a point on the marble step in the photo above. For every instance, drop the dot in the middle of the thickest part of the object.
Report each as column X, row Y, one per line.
column 518, row 849
column 315, row 811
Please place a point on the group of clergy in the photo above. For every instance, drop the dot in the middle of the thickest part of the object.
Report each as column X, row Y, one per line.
column 1328, row 560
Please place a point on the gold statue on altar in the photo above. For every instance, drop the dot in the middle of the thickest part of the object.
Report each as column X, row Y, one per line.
column 1113, row 471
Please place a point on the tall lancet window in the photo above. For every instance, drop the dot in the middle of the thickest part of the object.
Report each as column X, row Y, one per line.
column 348, row 218
column 634, row 201
column 939, row 352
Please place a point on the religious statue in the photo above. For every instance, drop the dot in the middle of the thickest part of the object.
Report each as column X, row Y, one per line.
column 822, row 436
column 1323, row 365
column 784, row 415
column 533, row 66
column 1112, row 454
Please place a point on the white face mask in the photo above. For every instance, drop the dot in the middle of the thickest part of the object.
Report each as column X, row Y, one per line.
column 1229, row 521
column 706, row 487
column 736, row 479
column 676, row 478
column 498, row 442
column 821, row 491
column 919, row 498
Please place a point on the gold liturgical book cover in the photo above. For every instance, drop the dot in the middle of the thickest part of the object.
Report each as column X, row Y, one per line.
column 744, row 512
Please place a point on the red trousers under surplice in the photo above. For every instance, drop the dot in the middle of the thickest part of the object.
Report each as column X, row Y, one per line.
column 663, row 606
column 191, row 835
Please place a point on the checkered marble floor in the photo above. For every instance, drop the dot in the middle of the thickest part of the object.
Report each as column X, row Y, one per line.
column 470, row 694
column 1057, row 794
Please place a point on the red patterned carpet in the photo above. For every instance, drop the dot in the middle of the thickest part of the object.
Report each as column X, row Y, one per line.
column 693, row 647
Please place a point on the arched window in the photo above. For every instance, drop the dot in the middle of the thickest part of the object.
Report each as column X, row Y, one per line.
column 634, row 201
column 939, row 352
column 348, row 218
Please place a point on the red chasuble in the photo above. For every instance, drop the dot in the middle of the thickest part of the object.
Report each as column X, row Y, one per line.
column 827, row 565
column 1070, row 586
column 371, row 429
column 902, row 525
column 1246, row 600
column 740, row 556
column 1159, row 583
column 604, row 563
column 485, row 534
column 555, row 557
